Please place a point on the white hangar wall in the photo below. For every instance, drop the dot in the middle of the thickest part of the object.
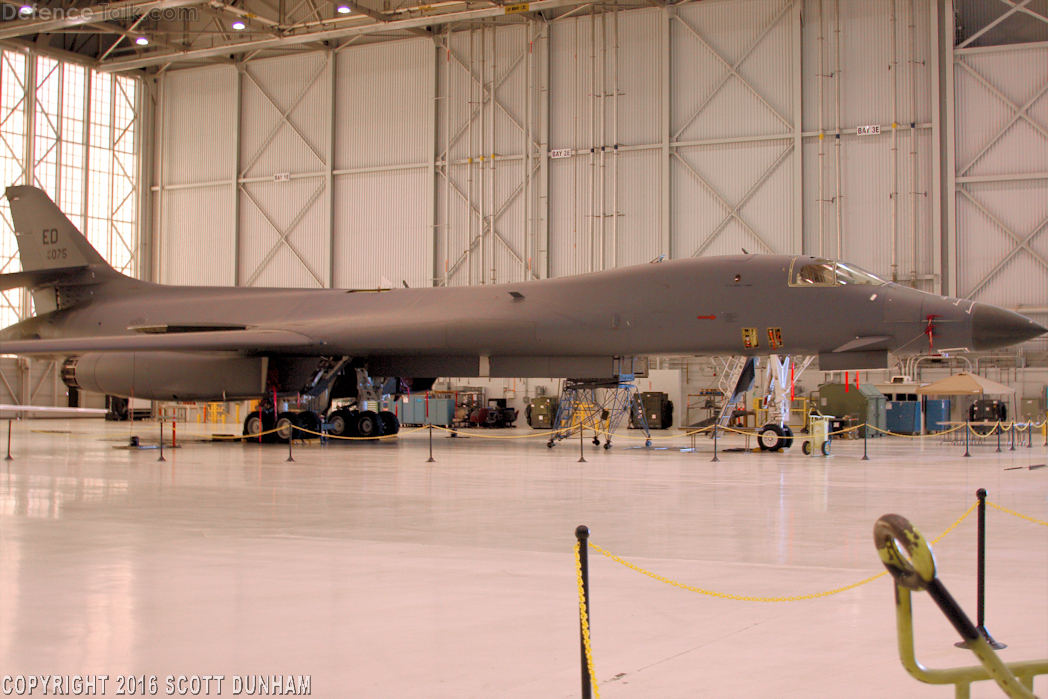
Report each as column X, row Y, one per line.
column 535, row 150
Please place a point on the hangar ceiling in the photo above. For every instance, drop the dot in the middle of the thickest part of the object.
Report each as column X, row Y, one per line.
column 156, row 34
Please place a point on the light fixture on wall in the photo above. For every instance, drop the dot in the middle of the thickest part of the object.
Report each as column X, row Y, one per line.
column 239, row 26
column 344, row 9
column 25, row 10
column 141, row 41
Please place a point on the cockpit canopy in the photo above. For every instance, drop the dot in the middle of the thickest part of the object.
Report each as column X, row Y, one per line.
column 809, row 271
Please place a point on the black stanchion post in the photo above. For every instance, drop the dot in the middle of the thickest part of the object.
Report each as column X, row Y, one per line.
column 980, row 574
column 431, row 460
column 161, row 442
column 967, row 429
column 1029, row 434
column 1012, row 436
column 714, row 443
column 582, row 446
column 9, row 457
column 865, row 435
column 582, row 533
column 290, row 439
column 998, row 428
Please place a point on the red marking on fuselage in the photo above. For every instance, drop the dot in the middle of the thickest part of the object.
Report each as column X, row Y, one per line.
column 707, row 317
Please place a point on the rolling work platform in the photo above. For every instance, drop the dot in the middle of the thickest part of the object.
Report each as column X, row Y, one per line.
column 583, row 408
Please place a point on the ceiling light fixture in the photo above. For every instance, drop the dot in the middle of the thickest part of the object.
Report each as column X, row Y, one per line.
column 239, row 26
column 25, row 10
column 141, row 41
column 344, row 9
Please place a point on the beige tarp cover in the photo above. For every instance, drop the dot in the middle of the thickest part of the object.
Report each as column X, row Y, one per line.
column 964, row 384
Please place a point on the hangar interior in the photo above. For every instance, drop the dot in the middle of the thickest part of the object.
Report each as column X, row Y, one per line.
column 377, row 144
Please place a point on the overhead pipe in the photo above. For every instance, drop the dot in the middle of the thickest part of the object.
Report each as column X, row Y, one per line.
column 483, row 152
column 615, row 141
column 469, row 170
column 604, row 130
column 822, row 130
column 494, row 197
column 893, row 66
column 913, row 140
column 526, row 262
column 837, row 142
column 447, row 158
column 592, row 136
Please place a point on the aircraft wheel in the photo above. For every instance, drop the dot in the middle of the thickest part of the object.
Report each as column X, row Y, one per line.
column 770, row 438
column 826, row 448
column 285, row 426
column 390, row 423
column 788, row 442
column 256, row 424
column 806, row 448
column 369, row 424
column 309, row 420
column 341, row 424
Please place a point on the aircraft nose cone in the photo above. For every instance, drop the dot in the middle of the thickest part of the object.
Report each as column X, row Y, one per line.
column 994, row 327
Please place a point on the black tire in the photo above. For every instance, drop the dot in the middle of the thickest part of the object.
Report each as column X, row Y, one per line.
column 390, row 423
column 369, row 424
column 770, row 438
column 806, row 448
column 310, row 421
column 285, row 426
column 256, row 423
column 826, row 448
column 342, row 424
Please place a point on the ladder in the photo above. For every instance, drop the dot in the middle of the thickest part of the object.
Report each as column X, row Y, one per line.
column 729, row 385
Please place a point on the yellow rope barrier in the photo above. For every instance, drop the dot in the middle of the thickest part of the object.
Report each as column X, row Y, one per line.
column 1015, row 514
column 584, row 617
column 739, row 598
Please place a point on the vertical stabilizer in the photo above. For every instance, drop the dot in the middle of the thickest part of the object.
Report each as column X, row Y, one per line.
column 46, row 238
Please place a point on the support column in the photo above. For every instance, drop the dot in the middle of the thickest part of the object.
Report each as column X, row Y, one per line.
column 664, row 128
column 542, row 265
column 235, row 196
column 329, row 176
column 431, row 149
column 797, row 234
column 950, row 239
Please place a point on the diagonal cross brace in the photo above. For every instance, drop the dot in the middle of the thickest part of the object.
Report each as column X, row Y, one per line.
column 1022, row 244
column 284, row 117
column 284, row 235
column 1019, row 113
column 733, row 211
column 733, row 70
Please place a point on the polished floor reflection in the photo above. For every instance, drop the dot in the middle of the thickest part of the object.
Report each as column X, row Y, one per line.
column 379, row 574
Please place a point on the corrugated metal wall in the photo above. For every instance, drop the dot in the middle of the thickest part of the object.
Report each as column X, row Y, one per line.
column 1002, row 176
column 591, row 142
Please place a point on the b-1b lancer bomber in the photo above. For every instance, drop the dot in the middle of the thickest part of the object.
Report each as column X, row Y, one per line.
column 121, row 336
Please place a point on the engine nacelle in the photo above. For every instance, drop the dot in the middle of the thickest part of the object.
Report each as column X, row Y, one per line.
column 168, row 375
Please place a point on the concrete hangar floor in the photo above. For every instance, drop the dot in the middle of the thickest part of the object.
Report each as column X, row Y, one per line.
column 378, row 574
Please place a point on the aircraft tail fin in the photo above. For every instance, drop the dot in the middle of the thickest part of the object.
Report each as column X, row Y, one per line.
column 47, row 240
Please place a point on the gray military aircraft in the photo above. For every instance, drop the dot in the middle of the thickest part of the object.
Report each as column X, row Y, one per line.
column 126, row 337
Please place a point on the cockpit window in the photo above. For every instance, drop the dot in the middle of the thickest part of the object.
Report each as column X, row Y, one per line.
column 850, row 274
column 822, row 272
column 813, row 273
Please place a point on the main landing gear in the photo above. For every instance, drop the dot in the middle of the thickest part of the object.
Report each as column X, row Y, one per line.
column 260, row 422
